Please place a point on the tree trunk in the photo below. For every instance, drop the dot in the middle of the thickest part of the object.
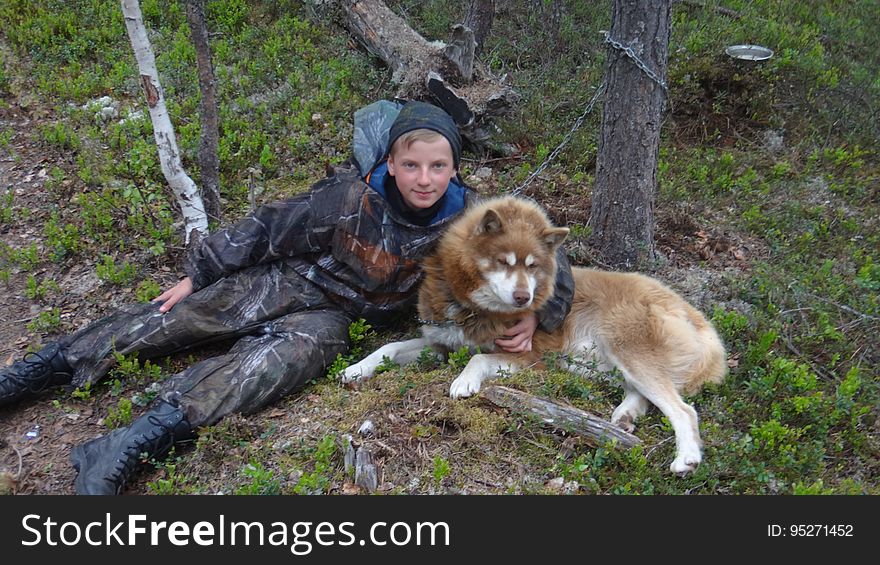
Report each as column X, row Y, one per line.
column 209, row 139
column 479, row 18
column 622, row 214
column 448, row 72
column 550, row 14
column 184, row 188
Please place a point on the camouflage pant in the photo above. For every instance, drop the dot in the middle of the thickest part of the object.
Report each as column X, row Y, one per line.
column 289, row 333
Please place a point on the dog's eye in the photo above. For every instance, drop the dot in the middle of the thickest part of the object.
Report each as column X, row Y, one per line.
column 533, row 266
column 502, row 261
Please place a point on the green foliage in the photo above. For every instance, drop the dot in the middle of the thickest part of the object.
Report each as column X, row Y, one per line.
column 386, row 365
column 96, row 213
column 579, row 231
column 147, row 290
column 427, row 359
column 35, row 291
column 64, row 240
column 267, row 159
column 457, row 360
column 147, row 395
column 122, row 275
column 6, row 207
column 83, row 393
column 120, row 415
column 568, row 385
column 26, row 258
column 607, row 469
column 440, row 469
column 732, row 326
column 316, row 481
column 816, row 488
column 339, row 364
column 172, row 483
column 869, row 276
column 4, row 90
column 261, row 481
column 46, row 321
column 61, row 135
column 227, row 15
column 358, row 331
column 129, row 367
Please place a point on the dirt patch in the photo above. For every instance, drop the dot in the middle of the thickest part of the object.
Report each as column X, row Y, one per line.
column 36, row 435
column 22, row 173
column 683, row 236
column 718, row 108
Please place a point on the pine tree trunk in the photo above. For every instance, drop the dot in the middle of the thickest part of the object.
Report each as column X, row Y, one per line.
column 550, row 14
column 184, row 188
column 480, row 15
column 209, row 140
column 622, row 214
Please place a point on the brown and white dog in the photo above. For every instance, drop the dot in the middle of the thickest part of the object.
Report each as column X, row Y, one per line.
column 497, row 262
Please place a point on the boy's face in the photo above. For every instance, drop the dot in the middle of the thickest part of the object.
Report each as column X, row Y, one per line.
column 422, row 171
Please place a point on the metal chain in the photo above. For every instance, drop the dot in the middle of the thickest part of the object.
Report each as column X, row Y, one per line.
column 564, row 141
column 638, row 62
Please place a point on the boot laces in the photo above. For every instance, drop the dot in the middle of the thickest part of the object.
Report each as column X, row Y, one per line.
column 160, row 438
column 36, row 373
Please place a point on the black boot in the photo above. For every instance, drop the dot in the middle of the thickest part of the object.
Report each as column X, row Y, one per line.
column 35, row 373
column 106, row 463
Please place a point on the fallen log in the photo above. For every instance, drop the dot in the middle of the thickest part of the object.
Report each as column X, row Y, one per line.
column 568, row 418
column 447, row 72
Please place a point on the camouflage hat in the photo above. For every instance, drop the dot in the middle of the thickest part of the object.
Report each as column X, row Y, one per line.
column 420, row 115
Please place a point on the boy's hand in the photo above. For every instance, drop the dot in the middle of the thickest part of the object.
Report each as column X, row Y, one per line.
column 175, row 294
column 518, row 337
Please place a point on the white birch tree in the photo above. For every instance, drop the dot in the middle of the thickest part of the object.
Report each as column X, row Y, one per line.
column 186, row 191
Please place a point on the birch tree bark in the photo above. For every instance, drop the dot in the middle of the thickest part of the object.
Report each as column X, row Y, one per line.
column 622, row 213
column 188, row 198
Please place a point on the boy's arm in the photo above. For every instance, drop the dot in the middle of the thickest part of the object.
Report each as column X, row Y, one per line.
column 554, row 312
column 279, row 229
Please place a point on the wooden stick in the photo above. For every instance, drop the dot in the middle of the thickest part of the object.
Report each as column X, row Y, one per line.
column 359, row 458
column 567, row 418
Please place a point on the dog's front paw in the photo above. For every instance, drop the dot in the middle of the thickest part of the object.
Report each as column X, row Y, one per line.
column 357, row 373
column 686, row 460
column 464, row 386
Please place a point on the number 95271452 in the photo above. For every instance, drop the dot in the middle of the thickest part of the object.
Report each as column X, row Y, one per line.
column 820, row 530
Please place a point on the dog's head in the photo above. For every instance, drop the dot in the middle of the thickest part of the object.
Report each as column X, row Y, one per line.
column 501, row 256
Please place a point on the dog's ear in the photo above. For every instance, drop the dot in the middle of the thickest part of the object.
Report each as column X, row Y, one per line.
column 491, row 222
column 554, row 237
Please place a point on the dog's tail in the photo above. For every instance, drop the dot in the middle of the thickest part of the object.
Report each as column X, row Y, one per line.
column 711, row 364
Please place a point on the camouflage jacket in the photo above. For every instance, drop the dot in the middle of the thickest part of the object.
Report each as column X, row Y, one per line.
column 344, row 237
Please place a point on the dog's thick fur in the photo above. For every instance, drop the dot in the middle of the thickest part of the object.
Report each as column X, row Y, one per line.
column 497, row 262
